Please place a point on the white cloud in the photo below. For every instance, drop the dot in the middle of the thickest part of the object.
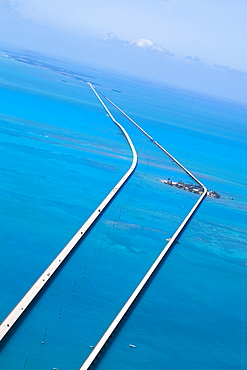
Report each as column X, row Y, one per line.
column 112, row 38
column 148, row 44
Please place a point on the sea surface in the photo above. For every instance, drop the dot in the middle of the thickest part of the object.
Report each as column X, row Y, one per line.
column 60, row 156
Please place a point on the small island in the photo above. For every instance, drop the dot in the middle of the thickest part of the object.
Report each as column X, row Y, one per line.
column 193, row 188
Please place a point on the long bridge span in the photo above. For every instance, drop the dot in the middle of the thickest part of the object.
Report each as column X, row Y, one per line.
column 18, row 310
column 105, row 337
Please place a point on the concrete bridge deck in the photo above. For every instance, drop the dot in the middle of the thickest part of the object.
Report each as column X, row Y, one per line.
column 18, row 310
column 100, row 345
column 14, row 315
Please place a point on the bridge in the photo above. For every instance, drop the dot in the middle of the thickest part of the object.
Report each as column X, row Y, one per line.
column 23, row 304
column 105, row 337
column 15, row 314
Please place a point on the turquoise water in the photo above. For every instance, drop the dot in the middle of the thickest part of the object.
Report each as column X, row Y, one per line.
column 61, row 155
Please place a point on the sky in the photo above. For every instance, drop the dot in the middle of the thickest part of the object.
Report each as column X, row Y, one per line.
column 198, row 44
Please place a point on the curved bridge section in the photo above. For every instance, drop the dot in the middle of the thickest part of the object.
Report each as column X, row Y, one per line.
column 14, row 315
column 99, row 346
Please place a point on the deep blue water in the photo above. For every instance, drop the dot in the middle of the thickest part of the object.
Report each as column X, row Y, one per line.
column 61, row 155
